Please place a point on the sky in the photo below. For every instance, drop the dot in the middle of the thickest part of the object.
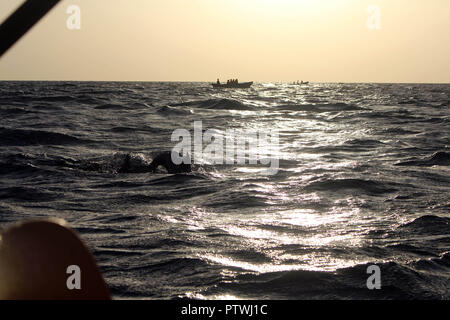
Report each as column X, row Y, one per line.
column 253, row 40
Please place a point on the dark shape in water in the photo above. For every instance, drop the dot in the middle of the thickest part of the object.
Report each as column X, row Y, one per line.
column 232, row 84
column 163, row 159
column 298, row 83
column 438, row 159
column 52, row 246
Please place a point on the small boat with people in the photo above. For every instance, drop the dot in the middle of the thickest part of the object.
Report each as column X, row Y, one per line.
column 298, row 83
column 233, row 83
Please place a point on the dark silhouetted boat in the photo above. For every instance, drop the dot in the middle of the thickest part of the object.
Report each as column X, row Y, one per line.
column 233, row 85
column 298, row 83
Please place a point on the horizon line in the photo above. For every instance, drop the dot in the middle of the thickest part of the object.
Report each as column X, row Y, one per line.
column 203, row 81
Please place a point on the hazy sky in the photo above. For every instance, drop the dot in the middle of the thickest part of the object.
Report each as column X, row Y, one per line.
column 260, row 40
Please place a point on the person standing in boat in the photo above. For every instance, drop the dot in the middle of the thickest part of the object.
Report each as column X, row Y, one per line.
column 218, row 81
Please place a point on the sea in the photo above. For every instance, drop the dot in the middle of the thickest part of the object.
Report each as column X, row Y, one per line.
column 361, row 191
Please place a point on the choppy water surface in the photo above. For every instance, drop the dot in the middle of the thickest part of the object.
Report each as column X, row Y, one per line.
column 363, row 179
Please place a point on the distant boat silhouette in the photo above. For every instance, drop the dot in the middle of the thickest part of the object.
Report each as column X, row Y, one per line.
column 298, row 83
column 232, row 84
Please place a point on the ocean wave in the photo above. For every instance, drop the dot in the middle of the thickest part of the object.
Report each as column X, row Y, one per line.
column 124, row 129
column 250, row 255
column 412, row 101
column 136, row 163
column 18, row 137
column 13, row 111
column 111, row 106
column 166, row 110
column 27, row 194
column 397, row 282
column 89, row 100
column 60, row 98
column 16, row 169
column 359, row 185
column 101, row 253
column 397, row 131
column 440, row 158
column 428, row 224
column 30, row 99
column 44, row 107
column 170, row 277
column 434, row 120
column 327, row 107
column 401, row 114
column 221, row 104
column 147, row 129
column 175, row 264
column 144, row 198
column 363, row 142
column 437, row 265
column 107, row 230
column 119, row 185
column 356, row 145
column 178, row 178
column 235, row 200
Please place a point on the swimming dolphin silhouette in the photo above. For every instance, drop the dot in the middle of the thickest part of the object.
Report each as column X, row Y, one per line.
column 163, row 159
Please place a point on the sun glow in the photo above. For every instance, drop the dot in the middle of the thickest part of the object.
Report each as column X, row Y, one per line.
column 281, row 2
column 276, row 7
